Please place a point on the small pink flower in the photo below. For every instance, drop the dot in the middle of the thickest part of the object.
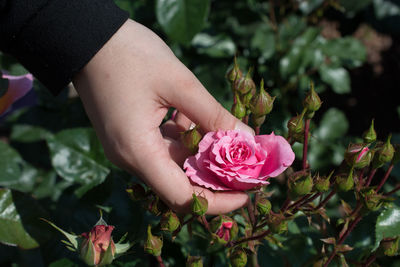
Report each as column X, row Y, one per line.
column 18, row 87
column 100, row 236
column 237, row 160
column 224, row 231
column 361, row 154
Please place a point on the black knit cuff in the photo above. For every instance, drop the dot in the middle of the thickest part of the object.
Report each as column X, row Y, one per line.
column 63, row 36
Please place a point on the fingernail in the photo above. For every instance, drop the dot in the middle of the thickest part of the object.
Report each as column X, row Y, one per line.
column 243, row 127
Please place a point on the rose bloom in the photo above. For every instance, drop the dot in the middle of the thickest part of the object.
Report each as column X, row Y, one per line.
column 237, row 160
column 100, row 236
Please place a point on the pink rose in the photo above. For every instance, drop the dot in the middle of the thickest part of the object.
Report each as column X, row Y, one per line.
column 18, row 87
column 237, row 160
column 100, row 237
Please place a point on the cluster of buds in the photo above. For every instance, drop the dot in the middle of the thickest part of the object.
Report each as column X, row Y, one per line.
column 300, row 184
column 246, row 98
column 194, row 261
column 153, row 244
column 224, row 229
column 96, row 247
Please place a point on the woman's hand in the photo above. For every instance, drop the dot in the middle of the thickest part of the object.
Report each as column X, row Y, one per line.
column 127, row 89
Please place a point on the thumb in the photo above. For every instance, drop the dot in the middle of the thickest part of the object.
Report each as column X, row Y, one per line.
column 193, row 100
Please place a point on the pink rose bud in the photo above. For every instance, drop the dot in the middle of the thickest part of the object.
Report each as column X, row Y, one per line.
column 262, row 103
column 244, row 85
column 224, row 229
column 369, row 136
column 312, row 102
column 300, row 184
column 238, row 109
column 238, row 258
column 358, row 156
column 194, row 261
column 277, row 223
column 191, row 139
column 169, row 221
column 98, row 248
column 199, row 205
column 383, row 153
column 18, row 86
column 153, row 244
column 234, row 73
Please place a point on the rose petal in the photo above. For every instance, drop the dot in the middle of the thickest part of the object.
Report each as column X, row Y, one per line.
column 18, row 87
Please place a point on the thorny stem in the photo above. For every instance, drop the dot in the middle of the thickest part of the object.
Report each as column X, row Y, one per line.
column 257, row 130
column 397, row 188
column 389, row 170
column 295, row 208
column 250, row 238
column 370, row 260
column 305, row 146
column 250, row 209
column 285, row 204
column 298, row 202
column 328, row 197
column 160, row 261
column 254, row 260
column 371, row 175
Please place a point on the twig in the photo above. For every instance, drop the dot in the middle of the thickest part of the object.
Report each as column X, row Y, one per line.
column 250, row 209
column 371, row 175
column 370, row 260
column 397, row 188
column 250, row 238
column 389, row 170
column 160, row 261
column 305, row 146
column 328, row 197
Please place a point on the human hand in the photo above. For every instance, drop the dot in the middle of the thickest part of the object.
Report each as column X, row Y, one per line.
column 126, row 89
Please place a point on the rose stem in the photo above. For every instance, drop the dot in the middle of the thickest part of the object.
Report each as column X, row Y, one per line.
column 299, row 201
column 254, row 260
column 397, row 188
column 296, row 207
column 250, row 209
column 244, row 215
column 328, row 197
column 371, row 175
column 389, row 170
column 205, row 223
column 285, row 204
column 370, row 260
column 257, row 130
column 250, row 238
column 305, row 146
column 245, row 119
column 160, row 261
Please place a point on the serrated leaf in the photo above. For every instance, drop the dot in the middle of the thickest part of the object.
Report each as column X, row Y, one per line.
column 19, row 220
column 77, row 156
column 387, row 225
column 182, row 19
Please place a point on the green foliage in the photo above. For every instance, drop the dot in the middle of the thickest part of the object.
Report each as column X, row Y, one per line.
column 387, row 224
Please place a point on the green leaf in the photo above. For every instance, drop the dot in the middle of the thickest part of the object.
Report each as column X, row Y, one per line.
column 333, row 125
column 387, row 224
column 25, row 133
column 337, row 77
column 214, row 45
column 74, row 240
column 63, row 263
column 182, row 19
column 19, row 220
column 15, row 173
column 264, row 41
column 385, row 8
column 309, row 6
column 77, row 156
column 349, row 51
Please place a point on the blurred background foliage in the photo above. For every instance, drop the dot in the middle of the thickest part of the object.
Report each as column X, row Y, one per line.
column 53, row 166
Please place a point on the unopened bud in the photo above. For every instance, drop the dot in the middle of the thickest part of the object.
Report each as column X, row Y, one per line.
column 262, row 103
column 322, row 184
column 153, row 244
column 169, row 221
column 384, row 153
column 345, row 182
column 238, row 109
column 238, row 258
column 224, row 229
column 296, row 127
column 263, row 206
column 277, row 224
column 369, row 135
column 136, row 192
column 199, row 205
column 372, row 200
column 194, row 261
column 358, row 156
column 312, row 102
column 389, row 247
column 300, row 184
column 234, row 73
column 245, row 84
column 246, row 99
column 191, row 139
column 257, row 121
column 157, row 206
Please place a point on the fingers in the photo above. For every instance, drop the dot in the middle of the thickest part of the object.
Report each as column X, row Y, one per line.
column 172, row 128
column 192, row 99
column 176, row 150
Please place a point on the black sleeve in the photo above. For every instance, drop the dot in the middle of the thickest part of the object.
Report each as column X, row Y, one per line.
column 54, row 39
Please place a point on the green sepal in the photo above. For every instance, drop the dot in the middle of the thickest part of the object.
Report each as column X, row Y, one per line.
column 88, row 252
column 107, row 257
column 73, row 239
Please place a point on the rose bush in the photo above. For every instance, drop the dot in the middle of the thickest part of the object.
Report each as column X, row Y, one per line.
column 237, row 160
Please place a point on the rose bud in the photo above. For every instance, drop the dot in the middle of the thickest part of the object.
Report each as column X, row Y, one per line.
column 157, row 206
column 244, row 85
column 296, row 127
column 358, row 156
column 263, row 206
column 247, row 98
column 322, row 184
column 383, row 154
column 277, row 223
column 369, row 135
column 238, row 258
column 262, row 103
column 224, row 229
column 136, row 192
column 191, row 139
column 234, row 73
column 345, row 182
column 169, row 221
column 153, row 244
column 389, row 247
column 372, row 200
column 300, row 184
column 97, row 247
column 194, row 261
column 257, row 121
column 312, row 102
column 238, row 109
column 199, row 205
